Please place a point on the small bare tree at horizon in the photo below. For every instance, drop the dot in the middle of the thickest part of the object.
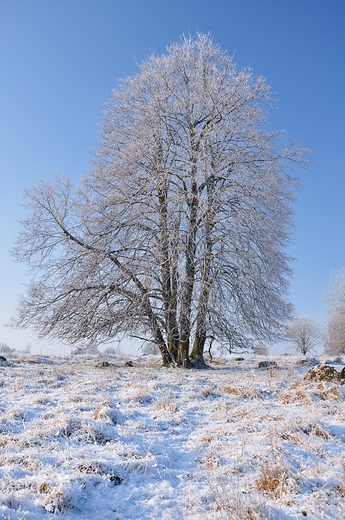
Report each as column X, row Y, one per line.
column 179, row 232
column 304, row 333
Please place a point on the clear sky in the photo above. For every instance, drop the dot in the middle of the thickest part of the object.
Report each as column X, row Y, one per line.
column 60, row 59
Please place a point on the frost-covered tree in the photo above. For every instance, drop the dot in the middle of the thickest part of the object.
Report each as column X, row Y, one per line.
column 261, row 349
column 335, row 331
column 150, row 348
column 178, row 234
column 304, row 333
column 5, row 349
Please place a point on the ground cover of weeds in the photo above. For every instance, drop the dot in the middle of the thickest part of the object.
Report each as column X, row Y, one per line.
column 80, row 442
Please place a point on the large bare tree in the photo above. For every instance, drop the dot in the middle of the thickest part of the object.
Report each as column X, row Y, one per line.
column 178, row 233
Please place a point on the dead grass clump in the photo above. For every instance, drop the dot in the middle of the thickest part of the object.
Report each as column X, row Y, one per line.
column 274, row 479
column 105, row 412
column 140, row 394
column 295, row 385
column 242, row 413
column 291, row 397
column 58, row 375
column 332, row 394
column 94, row 467
column 75, row 399
column 19, row 460
column 341, row 487
column 56, row 502
column 100, row 414
column 341, row 490
column 44, row 488
column 133, row 462
column 13, row 414
column 249, row 393
column 55, row 499
column 211, row 461
column 166, row 403
column 290, row 437
column 217, row 362
column 230, row 390
column 229, row 504
column 98, row 433
column 273, row 371
column 40, row 399
column 63, row 426
column 208, row 391
column 320, row 432
column 316, row 429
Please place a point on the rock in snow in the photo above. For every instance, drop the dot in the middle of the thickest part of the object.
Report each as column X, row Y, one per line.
column 325, row 373
column 267, row 364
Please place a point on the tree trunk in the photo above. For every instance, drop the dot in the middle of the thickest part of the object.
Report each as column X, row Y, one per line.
column 187, row 294
column 201, row 323
column 169, row 301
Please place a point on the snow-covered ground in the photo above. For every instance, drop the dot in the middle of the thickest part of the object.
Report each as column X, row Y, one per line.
column 82, row 441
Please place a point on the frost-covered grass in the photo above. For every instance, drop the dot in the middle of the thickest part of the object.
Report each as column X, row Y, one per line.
column 82, row 442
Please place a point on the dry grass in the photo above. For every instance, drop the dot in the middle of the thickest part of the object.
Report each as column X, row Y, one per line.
column 54, row 499
column 215, row 440
column 208, row 390
column 166, row 403
column 316, row 429
column 329, row 394
column 230, row 390
column 341, row 487
column 105, row 412
column 274, row 479
column 231, row 504
column 295, row 396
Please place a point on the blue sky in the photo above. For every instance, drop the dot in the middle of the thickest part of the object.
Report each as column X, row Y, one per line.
column 60, row 59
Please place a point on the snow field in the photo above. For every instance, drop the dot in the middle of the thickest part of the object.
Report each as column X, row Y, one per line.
column 82, row 442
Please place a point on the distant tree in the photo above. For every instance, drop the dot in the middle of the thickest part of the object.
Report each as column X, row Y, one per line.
column 335, row 330
column 150, row 348
column 5, row 349
column 111, row 351
column 304, row 333
column 179, row 232
column 335, row 333
column 91, row 350
column 261, row 349
column 335, row 293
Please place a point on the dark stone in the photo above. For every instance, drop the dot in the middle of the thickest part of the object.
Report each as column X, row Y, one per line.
column 116, row 480
column 103, row 364
column 267, row 364
column 2, row 358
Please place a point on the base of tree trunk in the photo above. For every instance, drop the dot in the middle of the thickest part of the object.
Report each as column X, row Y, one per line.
column 194, row 364
column 200, row 364
column 189, row 364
